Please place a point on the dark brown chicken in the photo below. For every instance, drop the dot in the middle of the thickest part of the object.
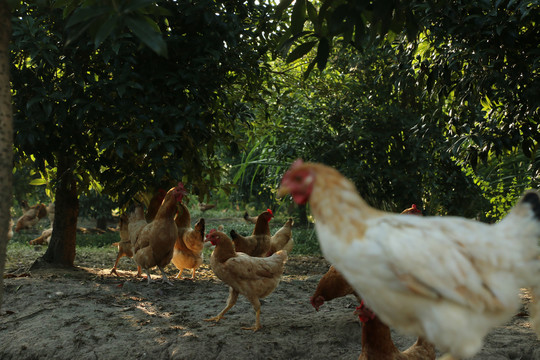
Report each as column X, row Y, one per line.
column 258, row 244
column 331, row 286
column 377, row 342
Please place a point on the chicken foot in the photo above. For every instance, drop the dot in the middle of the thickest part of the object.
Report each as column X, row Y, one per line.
column 233, row 296
column 113, row 270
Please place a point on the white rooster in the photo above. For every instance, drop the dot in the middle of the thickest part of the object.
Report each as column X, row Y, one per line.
column 448, row 279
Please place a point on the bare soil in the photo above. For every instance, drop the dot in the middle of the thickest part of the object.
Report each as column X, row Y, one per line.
column 86, row 313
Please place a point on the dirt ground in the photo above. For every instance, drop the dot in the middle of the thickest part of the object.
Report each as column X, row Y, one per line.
column 89, row 314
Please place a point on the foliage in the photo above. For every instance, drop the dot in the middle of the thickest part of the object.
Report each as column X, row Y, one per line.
column 132, row 119
column 483, row 58
column 354, row 118
column 27, row 186
column 96, row 205
column 503, row 181
column 480, row 58
column 102, row 21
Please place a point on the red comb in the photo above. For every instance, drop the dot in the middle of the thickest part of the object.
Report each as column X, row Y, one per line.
column 413, row 206
column 297, row 163
column 270, row 212
column 210, row 233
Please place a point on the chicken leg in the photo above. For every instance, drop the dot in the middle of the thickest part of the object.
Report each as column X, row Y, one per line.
column 257, row 307
column 139, row 270
column 233, row 296
column 113, row 270
column 179, row 276
column 148, row 277
column 164, row 276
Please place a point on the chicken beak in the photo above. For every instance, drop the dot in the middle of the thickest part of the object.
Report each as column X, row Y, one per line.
column 282, row 191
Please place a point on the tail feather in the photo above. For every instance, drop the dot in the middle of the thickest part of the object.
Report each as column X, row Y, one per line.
column 532, row 197
column 234, row 234
column 524, row 216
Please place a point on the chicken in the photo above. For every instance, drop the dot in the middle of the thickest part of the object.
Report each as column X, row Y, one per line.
column 204, row 207
column 50, row 213
column 189, row 244
column 136, row 222
column 377, row 341
column 250, row 219
column 413, row 210
column 125, row 248
column 44, row 238
column 331, row 286
column 282, row 239
column 31, row 216
column 253, row 277
column 154, row 204
column 258, row 244
column 10, row 230
column 154, row 244
column 447, row 279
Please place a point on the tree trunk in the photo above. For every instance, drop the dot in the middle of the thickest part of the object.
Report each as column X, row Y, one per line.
column 6, row 139
column 61, row 250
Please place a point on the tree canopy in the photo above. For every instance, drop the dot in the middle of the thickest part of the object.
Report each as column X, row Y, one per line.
column 122, row 118
column 480, row 59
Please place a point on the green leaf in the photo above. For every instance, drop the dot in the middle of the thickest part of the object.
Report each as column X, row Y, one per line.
column 298, row 16
column 312, row 12
column 85, row 14
column 382, row 12
column 33, row 101
column 281, row 7
column 411, row 25
column 314, row 18
column 104, row 31
column 120, row 151
column 323, row 51
column 309, row 68
column 39, row 181
column 300, row 51
column 137, row 4
column 336, row 20
column 145, row 29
